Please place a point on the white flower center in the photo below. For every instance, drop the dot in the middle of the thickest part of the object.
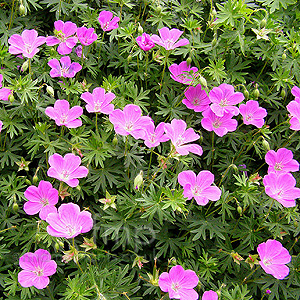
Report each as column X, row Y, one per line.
column 63, row 118
column 64, row 175
column 267, row 261
column 38, row 271
column 278, row 166
column 223, row 102
column 129, row 126
column 249, row 117
column 175, row 287
column 217, row 123
column 197, row 191
column 196, row 101
column 44, row 201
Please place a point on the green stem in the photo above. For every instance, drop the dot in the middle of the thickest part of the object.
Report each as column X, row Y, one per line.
column 212, row 150
column 11, row 15
column 163, row 72
column 29, row 66
column 260, row 228
column 97, row 122
column 50, row 293
column 150, row 162
column 101, row 46
column 250, row 274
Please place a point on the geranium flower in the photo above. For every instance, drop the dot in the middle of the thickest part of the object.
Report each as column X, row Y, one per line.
column 220, row 125
column 273, row 258
column 294, row 109
column 199, row 187
column 154, row 136
column 210, row 295
column 281, row 187
column 179, row 283
column 145, row 42
column 296, row 92
column 63, row 115
column 224, row 98
column 86, row 36
column 41, row 199
column 64, row 36
column 26, row 44
column 99, row 101
column 1, row 124
column 253, row 114
column 196, row 98
column 67, row 168
column 183, row 73
column 69, row 221
column 4, row 92
column 65, row 68
column 168, row 38
column 130, row 121
column 107, row 21
column 180, row 137
column 281, row 161
column 36, row 267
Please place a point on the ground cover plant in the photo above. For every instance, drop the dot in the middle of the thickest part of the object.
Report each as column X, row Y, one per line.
column 149, row 149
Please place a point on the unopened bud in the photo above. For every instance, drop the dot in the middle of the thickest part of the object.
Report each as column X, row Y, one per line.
column 78, row 188
column 158, row 9
column 239, row 210
column 11, row 98
column 50, row 90
column 28, row 181
column 214, row 12
column 22, row 10
column 129, row 58
column 189, row 61
column 214, row 42
column 202, row 81
column 140, row 30
column 282, row 93
column 263, row 23
column 256, row 93
column 35, row 179
column 283, row 56
column 15, row 207
column 266, row 145
column 138, row 181
column 56, row 246
column 115, row 141
column 246, row 94
column 235, row 168
column 25, row 66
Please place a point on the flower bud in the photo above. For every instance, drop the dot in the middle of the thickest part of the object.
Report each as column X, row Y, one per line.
column 15, row 207
column 266, row 145
column 27, row 181
column 282, row 93
column 22, row 10
column 189, row 61
column 256, row 93
column 246, row 94
column 56, row 246
column 158, row 9
column 115, row 141
column 50, row 90
column 129, row 58
column 35, row 179
column 214, row 12
column 202, row 81
column 140, row 30
column 263, row 23
column 239, row 210
column 138, row 181
column 78, row 188
column 11, row 98
column 25, row 66
column 283, row 56
column 235, row 168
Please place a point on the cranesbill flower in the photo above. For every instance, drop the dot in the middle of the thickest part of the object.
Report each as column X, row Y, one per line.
column 199, row 187
column 86, row 36
column 210, row 295
column 253, row 114
column 154, row 136
column 294, row 109
column 296, row 92
column 64, row 36
column 36, row 267
column 183, row 72
column 281, row 161
column 224, row 98
column 168, row 38
column 145, row 42
column 196, row 98
column 130, row 121
column 273, row 258
column 220, row 125
column 69, row 221
column 281, row 187
column 41, row 199
column 63, row 115
column 179, row 283
column 4, row 92
column 26, row 44
column 99, row 101
column 180, row 137
column 65, row 68
column 67, row 168
column 1, row 124
column 107, row 21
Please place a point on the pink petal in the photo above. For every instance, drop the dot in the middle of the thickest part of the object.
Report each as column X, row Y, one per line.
column 26, row 278
column 46, row 210
column 40, row 282
column 32, row 208
column 187, row 177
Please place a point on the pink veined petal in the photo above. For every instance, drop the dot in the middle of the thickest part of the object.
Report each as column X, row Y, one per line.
column 32, row 194
column 75, row 112
column 157, row 40
column 46, row 210
column 190, row 279
column 44, row 188
column 213, row 193
column 49, row 268
column 74, row 123
column 52, row 172
column 165, row 34
column 201, row 200
column 4, row 94
column 40, row 282
column 278, row 271
column 180, row 43
column 286, row 203
column 210, row 295
column 187, row 177
column 56, row 161
column 188, row 191
column 29, row 36
column 59, row 25
column 164, row 282
column 205, row 179
column 26, row 278
column 176, row 273
column 42, row 256
column 54, row 63
column 69, row 28
column 105, row 16
column 185, row 149
column 63, row 49
column 86, row 221
column 52, row 41
column 175, row 34
column 284, row 155
column 61, row 233
column 107, row 109
column 270, row 158
column 190, row 135
column 188, row 294
column 68, row 213
column 71, row 162
column 56, row 225
column 32, row 208
column 71, row 42
column 72, row 182
column 80, row 172
column 28, row 261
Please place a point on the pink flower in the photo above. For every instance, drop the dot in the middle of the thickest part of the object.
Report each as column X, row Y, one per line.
column 273, row 258
column 4, row 92
column 41, row 199
column 179, row 283
column 67, row 168
column 183, row 73
column 145, row 42
column 86, row 36
column 179, row 136
column 69, row 221
column 98, row 101
column 78, row 51
column 130, row 121
column 296, row 92
column 253, row 114
column 210, row 295
column 26, row 44
column 1, row 124
column 294, row 109
column 154, row 136
column 65, row 68
column 106, row 21
column 63, row 36
column 168, row 38
column 281, row 187
column 199, row 187
column 220, row 125
column 36, row 267
column 224, row 98
column 281, row 161
column 196, row 98
column 63, row 115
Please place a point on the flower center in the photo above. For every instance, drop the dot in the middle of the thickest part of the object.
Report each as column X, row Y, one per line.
column 175, row 287
column 64, row 175
column 60, row 35
column 63, row 118
column 196, row 101
column 217, row 123
column 27, row 48
column 38, row 271
column 179, row 141
column 105, row 25
column 64, row 71
column 152, row 138
column 223, row 102
column 197, row 191
column 278, row 167
column 71, row 230
column 97, row 106
column 249, row 117
column 129, row 126
column 267, row 261
column 169, row 44
column 280, row 193
column 44, row 201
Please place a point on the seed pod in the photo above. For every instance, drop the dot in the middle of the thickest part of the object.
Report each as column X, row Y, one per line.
column 189, row 61
column 25, row 66
column 202, row 81
column 256, row 93
column 239, row 210
column 263, row 23
column 50, row 90
column 283, row 56
column 266, row 145
column 235, row 168
column 78, row 187
column 15, row 207
column 56, row 246
column 140, row 30
column 22, row 10
column 35, row 179
column 246, row 94
column 282, row 93
column 115, row 141
column 28, row 181
column 129, row 58
column 158, row 9
column 138, row 181
column 11, row 98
